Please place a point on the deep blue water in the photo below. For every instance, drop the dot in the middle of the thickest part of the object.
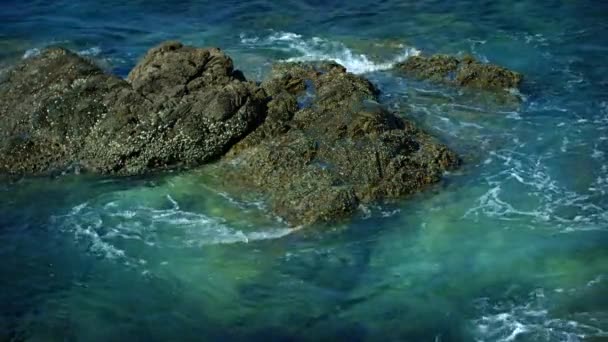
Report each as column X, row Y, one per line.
column 512, row 247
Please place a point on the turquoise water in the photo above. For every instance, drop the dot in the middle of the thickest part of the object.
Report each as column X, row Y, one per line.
column 511, row 247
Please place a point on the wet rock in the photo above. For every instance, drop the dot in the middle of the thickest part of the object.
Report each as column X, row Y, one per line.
column 181, row 106
column 192, row 106
column 48, row 104
column 466, row 72
column 312, row 138
column 334, row 153
column 173, row 69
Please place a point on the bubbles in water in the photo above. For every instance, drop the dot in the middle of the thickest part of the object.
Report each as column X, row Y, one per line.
column 547, row 200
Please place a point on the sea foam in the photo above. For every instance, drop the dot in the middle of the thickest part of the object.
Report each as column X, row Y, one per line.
column 506, row 322
column 113, row 228
column 90, row 52
column 320, row 49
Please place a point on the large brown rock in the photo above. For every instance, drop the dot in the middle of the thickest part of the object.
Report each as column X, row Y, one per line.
column 182, row 106
column 48, row 104
column 327, row 147
column 192, row 106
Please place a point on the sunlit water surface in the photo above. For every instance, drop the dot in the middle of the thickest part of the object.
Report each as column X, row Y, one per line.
column 511, row 247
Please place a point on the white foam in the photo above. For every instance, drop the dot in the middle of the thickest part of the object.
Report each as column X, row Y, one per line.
column 320, row 49
column 374, row 210
column 546, row 197
column 90, row 52
column 505, row 322
column 107, row 229
column 174, row 202
column 89, row 234
column 31, row 53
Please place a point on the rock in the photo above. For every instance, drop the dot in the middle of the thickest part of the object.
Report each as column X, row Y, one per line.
column 181, row 106
column 193, row 107
column 173, row 69
column 337, row 149
column 48, row 104
column 312, row 138
column 466, row 72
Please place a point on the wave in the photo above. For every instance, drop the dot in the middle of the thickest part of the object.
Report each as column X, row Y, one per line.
column 320, row 49
column 31, row 53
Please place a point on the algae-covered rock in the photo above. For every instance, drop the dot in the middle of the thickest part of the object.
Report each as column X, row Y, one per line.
column 181, row 106
column 339, row 148
column 466, row 72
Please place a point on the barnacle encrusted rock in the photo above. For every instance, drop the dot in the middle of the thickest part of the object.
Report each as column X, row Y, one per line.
column 181, row 106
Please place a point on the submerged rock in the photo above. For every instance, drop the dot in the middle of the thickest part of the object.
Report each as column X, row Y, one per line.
column 327, row 146
column 466, row 72
column 181, row 106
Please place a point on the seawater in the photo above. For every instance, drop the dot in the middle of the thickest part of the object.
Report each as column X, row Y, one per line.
column 511, row 247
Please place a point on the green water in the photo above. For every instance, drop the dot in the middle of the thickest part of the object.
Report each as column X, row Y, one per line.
column 171, row 256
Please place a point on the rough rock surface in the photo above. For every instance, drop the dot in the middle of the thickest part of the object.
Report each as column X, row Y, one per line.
column 48, row 104
column 181, row 106
column 191, row 106
column 312, row 138
column 466, row 72
column 327, row 146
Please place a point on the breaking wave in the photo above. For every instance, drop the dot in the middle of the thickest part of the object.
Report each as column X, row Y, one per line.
column 320, row 49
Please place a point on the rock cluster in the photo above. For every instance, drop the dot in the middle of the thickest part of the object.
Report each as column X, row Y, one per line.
column 312, row 138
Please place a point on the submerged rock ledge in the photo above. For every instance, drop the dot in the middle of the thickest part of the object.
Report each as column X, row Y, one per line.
column 312, row 137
